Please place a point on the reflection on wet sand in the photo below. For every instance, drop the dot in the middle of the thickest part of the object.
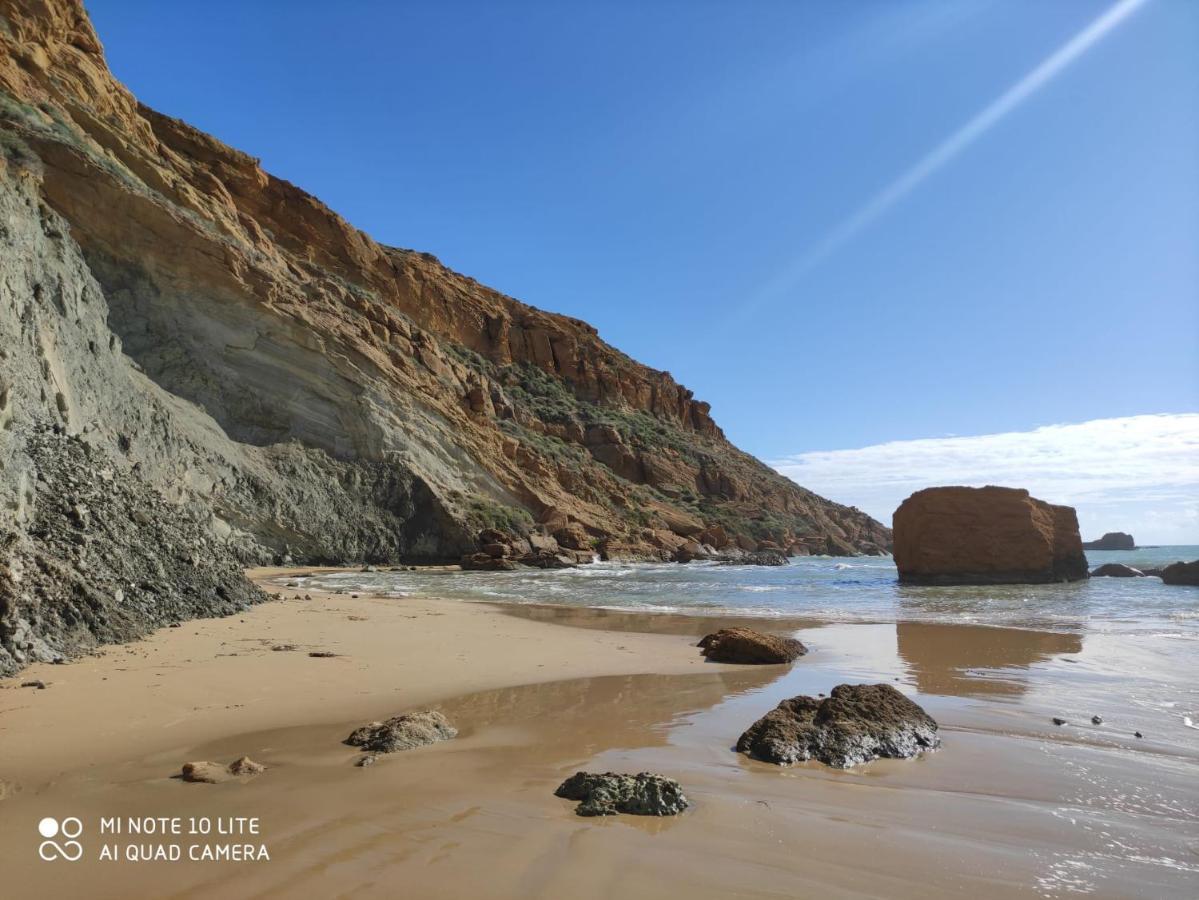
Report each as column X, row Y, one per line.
column 564, row 719
column 973, row 661
column 656, row 623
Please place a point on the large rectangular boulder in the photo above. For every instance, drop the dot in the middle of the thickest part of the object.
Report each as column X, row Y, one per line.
column 989, row 535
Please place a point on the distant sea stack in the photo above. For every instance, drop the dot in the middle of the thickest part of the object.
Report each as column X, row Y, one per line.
column 1113, row 540
column 989, row 535
column 212, row 358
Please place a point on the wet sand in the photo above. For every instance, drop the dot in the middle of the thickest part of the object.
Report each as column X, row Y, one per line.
column 1011, row 806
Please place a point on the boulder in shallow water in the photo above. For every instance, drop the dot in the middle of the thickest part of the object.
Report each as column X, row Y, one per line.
column 854, row 724
column 989, row 535
column 644, row 794
column 403, row 732
column 1116, row 570
column 746, row 646
column 1181, row 573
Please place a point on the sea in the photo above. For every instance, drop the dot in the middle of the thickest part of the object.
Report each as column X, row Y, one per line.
column 821, row 588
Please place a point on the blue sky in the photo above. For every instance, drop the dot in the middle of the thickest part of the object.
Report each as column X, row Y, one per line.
column 671, row 171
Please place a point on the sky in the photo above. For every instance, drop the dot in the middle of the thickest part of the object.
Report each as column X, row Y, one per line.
column 849, row 226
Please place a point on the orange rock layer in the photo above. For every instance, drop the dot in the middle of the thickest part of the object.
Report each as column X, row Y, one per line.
column 990, row 535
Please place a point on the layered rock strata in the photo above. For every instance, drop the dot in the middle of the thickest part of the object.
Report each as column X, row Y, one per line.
column 242, row 360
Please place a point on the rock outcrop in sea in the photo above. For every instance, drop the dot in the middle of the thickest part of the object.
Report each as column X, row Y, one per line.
column 254, row 380
column 1113, row 540
column 854, row 724
column 989, row 535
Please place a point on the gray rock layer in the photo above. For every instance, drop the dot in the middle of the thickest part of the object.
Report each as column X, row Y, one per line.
column 854, row 724
column 644, row 794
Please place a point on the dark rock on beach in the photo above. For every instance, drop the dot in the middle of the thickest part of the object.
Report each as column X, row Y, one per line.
column 644, row 794
column 746, row 646
column 1181, row 573
column 855, row 724
column 403, row 732
column 1116, row 570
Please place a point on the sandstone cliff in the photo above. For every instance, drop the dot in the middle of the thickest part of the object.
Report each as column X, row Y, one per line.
column 989, row 535
column 203, row 331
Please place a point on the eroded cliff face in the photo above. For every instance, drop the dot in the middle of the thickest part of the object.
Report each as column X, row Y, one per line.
column 221, row 338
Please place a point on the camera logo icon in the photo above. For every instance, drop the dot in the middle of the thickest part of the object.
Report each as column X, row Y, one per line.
column 68, row 829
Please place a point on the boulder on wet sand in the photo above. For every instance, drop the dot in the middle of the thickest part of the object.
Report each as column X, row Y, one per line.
column 246, row 766
column 215, row 773
column 1181, row 573
column 204, row 772
column 744, row 645
column 1113, row 540
column 854, row 724
column 644, row 794
column 1116, row 570
column 403, row 732
column 989, row 535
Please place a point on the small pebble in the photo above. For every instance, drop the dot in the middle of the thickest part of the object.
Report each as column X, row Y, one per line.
column 1137, row 734
column 1057, row 721
column 368, row 760
column 322, row 654
column 40, row 685
column 1096, row 720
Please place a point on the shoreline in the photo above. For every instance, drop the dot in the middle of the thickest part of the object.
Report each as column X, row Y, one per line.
column 627, row 691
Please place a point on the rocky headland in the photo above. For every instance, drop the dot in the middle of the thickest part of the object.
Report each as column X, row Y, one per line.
column 227, row 373
column 988, row 535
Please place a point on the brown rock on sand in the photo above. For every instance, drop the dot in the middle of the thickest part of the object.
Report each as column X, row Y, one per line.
column 744, row 645
column 215, row 773
column 403, row 732
column 205, row 772
column 989, row 535
column 246, row 766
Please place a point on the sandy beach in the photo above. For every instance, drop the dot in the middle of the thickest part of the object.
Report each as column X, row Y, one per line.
column 1011, row 806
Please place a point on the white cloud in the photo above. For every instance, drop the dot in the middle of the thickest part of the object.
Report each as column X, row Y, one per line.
column 1138, row 474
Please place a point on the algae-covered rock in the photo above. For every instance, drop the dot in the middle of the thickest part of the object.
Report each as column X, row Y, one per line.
column 644, row 794
column 854, row 724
